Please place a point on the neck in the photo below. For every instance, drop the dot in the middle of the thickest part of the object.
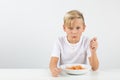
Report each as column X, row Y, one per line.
column 73, row 41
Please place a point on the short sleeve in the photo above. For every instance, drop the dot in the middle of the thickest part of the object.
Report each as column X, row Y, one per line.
column 88, row 52
column 56, row 49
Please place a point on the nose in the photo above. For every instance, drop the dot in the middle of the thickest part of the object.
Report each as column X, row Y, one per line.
column 74, row 31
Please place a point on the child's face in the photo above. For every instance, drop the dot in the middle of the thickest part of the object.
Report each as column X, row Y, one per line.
column 74, row 31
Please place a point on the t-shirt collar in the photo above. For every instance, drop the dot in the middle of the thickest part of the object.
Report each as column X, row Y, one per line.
column 66, row 40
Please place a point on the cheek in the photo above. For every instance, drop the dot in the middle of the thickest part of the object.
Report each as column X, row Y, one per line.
column 68, row 31
column 79, row 31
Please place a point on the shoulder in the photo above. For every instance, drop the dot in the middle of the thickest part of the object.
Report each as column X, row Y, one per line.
column 60, row 39
column 85, row 38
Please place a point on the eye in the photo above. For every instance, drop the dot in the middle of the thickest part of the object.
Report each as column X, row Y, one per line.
column 77, row 27
column 71, row 28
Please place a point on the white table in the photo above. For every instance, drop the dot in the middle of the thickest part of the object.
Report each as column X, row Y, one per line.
column 44, row 74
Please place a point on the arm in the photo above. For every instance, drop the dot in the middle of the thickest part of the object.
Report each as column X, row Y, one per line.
column 93, row 59
column 53, row 66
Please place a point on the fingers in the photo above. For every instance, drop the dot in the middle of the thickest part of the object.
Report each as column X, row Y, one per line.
column 94, row 39
column 56, row 72
column 93, row 43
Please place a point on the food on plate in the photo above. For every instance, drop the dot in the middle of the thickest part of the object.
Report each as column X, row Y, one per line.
column 77, row 67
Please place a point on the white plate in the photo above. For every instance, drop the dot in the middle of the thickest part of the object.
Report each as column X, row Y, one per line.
column 81, row 71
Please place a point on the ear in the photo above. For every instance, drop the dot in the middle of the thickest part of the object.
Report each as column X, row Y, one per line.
column 84, row 26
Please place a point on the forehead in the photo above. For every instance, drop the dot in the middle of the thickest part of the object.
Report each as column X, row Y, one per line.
column 76, row 22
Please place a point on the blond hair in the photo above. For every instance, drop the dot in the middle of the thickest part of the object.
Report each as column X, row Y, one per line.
column 71, row 15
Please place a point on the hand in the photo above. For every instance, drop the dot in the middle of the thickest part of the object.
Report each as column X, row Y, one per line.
column 93, row 44
column 56, row 71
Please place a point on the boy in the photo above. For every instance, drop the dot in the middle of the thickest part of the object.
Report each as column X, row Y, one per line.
column 73, row 47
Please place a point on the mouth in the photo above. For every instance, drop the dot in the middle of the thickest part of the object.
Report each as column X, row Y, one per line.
column 74, row 36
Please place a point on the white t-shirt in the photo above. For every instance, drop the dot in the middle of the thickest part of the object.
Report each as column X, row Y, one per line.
column 71, row 53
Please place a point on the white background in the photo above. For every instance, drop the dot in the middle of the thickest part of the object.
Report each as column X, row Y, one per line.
column 28, row 29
